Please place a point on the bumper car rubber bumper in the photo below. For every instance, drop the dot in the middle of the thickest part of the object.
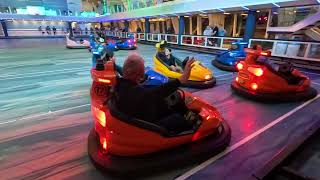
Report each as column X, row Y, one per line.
column 191, row 153
column 224, row 67
column 200, row 84
column 278, row 97
column 77, row 47
column 128, row 48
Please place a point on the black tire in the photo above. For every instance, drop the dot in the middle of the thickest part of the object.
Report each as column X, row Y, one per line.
column 200, row 84
column 223, row 67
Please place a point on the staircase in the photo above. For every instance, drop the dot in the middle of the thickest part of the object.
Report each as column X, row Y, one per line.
column 313, row 33
column 308, row 22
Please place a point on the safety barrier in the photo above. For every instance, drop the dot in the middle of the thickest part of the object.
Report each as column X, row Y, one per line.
column 290, row 49
column 32, row 32
column 222, row 43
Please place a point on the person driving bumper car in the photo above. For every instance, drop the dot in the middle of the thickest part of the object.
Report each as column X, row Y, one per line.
column 172, row 67
column 258, row 79
column 138, row 129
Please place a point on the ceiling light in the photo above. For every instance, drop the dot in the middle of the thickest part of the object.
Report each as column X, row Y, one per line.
column 226, row 13
column 244, row 7
column 276, row 4
column 221, row 10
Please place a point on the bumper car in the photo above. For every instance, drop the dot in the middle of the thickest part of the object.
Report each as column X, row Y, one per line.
column 127, row 43
column 73, row 44
column 201, row 76
column 227, row 60
column 112, row 45
column 119, row 144
column 153, row 78
column 259, row 80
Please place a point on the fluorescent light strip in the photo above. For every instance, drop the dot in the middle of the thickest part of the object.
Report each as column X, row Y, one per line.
column 244, row 7
column 279, row 5
column 221, row 10
column 318, row 1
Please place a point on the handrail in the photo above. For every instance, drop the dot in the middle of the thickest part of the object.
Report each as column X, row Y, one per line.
column 290, row 49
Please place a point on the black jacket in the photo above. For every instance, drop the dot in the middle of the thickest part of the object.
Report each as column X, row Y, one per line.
column 144, row 103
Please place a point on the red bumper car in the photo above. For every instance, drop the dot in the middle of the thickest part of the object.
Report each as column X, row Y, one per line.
column 120, row 144
column 259, row 80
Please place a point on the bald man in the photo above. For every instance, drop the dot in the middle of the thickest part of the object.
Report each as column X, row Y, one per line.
column 148, row 104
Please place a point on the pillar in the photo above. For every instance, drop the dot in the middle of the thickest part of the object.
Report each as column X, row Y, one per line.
column 4, row 27
column 147, row 25
column 126, row 26
column 181, row 28
column 199, row 25
column 234, row 27
column 70, row 29
column 191, row 25
column 250, row 26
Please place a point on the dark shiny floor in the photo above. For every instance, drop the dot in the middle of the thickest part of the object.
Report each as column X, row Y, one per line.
column 45, row 115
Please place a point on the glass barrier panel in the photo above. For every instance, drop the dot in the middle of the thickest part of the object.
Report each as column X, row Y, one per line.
column 186, row 40
column 226, row 43
column 155, row 37
column 266, row 45
column 314, row 51
column 163, row 37
column 172, row 39
column 199, row 41
column 213, row 42
column 142, row 36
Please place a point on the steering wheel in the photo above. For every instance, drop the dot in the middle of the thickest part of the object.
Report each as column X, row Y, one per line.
column 175, row 98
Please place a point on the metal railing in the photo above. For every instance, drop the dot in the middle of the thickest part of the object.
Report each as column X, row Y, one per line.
column 222, row 43
column 33, row 32
column 290, row 49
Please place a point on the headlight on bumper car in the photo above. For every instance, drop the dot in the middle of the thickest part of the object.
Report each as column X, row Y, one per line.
column 208, row 77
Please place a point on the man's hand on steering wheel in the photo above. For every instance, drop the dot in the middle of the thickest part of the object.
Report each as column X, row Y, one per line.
column 187, row 71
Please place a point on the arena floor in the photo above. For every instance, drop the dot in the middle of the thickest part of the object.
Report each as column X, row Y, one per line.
column 45, row 116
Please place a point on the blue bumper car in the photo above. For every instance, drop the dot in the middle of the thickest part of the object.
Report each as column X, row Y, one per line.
column 228, row 60
column 127, row 43
column 153, row 78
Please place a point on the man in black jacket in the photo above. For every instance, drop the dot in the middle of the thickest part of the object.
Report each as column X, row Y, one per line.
column 149, row 103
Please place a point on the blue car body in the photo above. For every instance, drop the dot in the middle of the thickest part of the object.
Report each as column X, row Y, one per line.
column 228, row 59
column 153, row 78
column 98, row 49
column 126, row 43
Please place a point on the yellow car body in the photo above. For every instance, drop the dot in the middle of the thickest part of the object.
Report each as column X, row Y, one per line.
column 200, row 77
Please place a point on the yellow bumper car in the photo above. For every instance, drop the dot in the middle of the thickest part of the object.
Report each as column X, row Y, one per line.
column 201, row 76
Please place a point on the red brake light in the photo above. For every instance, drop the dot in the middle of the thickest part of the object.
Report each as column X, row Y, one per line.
column 107, row 81
column 254, row 86
column 104, row 144
column 239, row 66
column 100, row 116
column 265, row 53
column 256, row 71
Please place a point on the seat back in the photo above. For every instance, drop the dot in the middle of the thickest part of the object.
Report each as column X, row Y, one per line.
column 103, row 81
